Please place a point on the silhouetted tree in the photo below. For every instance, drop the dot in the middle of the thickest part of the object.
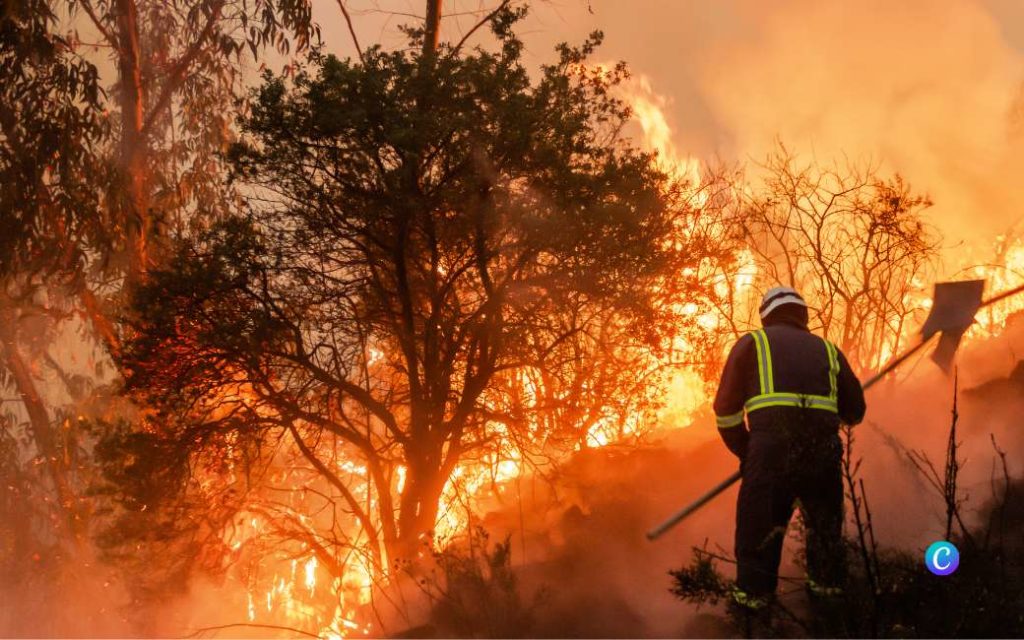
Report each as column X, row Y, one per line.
column 415, row 237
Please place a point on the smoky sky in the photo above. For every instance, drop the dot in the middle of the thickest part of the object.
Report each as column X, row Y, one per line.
column 929, row 89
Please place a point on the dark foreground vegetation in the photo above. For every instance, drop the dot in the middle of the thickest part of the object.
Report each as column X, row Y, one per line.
column 888, row 592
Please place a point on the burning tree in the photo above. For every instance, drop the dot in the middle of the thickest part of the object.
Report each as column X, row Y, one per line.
column 423, row 232
column 852, row 241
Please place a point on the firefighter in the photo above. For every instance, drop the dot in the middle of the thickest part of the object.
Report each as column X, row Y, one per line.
column 794, row 389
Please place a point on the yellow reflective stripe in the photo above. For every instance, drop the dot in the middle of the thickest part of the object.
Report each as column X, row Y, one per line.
column 746, row 600
column 756, row 336
column 833, row 369
column 782, row 403
column 822, row 590
column 770, row 368
column 792, row 400
column 764, row 361
column 727, row 422
column 766, row 380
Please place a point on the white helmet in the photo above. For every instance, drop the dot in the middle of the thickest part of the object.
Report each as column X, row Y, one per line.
column 778, row 296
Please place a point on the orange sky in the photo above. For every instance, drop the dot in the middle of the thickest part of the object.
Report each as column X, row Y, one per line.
column 929, row 88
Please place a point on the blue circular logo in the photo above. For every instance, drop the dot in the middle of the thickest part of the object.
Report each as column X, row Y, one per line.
column 942, row 558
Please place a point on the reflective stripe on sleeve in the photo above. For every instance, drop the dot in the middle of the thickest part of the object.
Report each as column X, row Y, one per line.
column 727, row 422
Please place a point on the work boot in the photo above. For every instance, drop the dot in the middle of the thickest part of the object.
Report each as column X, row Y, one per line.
column 827, row 604
column 751, row 614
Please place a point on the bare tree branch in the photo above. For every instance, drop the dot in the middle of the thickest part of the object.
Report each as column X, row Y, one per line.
column 490, row 16
column 351, row 30
column 109, row 37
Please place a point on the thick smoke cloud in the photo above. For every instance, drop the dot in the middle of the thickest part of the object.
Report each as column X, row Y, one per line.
column 927, row 88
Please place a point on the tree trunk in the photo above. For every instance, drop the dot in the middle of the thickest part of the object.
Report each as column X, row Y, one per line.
column 432, row 28
column 417, row 511
column 42, row 431
column 135, row 202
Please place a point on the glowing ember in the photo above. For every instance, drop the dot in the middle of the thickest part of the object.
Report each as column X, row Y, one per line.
column 310, row 568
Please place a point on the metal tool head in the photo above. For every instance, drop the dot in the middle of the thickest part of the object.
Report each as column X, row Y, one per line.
column 952, row 313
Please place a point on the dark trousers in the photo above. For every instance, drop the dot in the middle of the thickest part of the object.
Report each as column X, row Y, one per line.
column 784, row 468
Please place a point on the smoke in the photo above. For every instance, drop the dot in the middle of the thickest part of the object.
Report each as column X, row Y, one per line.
column 580, row 543
column 930, row 89
column 915, row 414
column 583, row 548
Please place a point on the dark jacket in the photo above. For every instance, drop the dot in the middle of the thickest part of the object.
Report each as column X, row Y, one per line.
column 800, row 364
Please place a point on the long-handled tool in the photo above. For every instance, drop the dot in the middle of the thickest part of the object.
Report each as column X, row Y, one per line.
column 954, row 306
